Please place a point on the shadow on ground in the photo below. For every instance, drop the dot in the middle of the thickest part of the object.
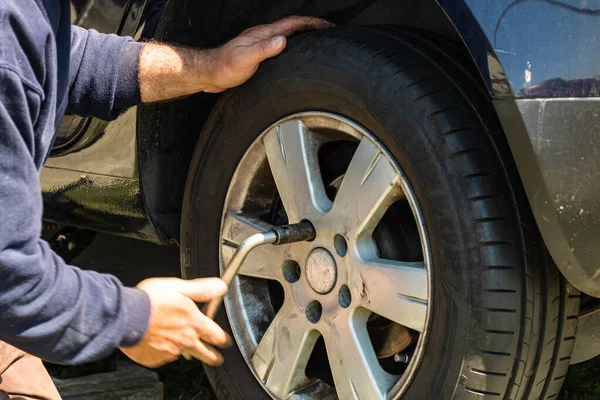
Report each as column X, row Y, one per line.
column 185, row 380
column 133, row 260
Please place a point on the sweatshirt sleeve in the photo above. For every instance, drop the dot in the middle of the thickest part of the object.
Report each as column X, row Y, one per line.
column 47, row 308
column 104, row 73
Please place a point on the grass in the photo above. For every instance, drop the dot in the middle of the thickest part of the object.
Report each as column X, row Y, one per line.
column 185, row 380
column 582, row 381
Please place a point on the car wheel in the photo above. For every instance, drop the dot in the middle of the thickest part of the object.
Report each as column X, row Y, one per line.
column 427, row 278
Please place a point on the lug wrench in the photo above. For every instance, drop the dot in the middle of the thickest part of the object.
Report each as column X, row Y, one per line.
column 300, row 232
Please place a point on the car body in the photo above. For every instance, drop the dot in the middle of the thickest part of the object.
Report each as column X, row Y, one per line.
column 535, row 61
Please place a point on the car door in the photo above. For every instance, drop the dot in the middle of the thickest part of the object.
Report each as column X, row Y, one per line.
column 106, row 16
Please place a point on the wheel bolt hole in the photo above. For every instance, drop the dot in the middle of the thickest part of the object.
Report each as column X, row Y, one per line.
column 314, row 311
column 344, row 297
column 291, row 271
column 340, row 244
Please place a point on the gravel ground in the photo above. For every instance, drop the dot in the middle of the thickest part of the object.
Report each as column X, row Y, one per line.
column 133, row 260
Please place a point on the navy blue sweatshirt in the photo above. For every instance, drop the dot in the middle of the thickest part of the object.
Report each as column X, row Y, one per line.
column 47, row 308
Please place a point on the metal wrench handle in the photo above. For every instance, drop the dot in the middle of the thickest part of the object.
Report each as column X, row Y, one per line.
column 283, row 234
column 211, row 308
column 254, row 241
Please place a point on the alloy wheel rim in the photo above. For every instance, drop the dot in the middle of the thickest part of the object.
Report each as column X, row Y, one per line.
column 333, row 285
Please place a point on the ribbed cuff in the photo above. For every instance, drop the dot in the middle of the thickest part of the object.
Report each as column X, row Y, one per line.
column 137, row 315
column 127, row 92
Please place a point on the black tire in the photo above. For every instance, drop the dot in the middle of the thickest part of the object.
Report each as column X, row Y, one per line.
column 504, row 318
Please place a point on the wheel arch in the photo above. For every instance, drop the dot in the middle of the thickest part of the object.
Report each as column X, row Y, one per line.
column 168, row 132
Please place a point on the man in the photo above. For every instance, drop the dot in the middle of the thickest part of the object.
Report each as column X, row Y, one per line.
column 58, row 312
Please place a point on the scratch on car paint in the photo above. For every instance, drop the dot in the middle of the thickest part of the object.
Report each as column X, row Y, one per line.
column 505, row 52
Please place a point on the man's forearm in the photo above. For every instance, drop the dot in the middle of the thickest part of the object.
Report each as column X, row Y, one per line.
column 168, row 72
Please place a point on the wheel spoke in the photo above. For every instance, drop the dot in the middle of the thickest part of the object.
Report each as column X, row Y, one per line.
column 292, row 151
column 262, row 262
column 283, row 352
column 393, row 289
column 356, row 371
column 369, row 187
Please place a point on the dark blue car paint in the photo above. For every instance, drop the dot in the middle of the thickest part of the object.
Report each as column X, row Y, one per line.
column 533, row 57
column 532, row 48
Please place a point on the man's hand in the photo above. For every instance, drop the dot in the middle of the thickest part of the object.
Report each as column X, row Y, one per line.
column 168, row 72
column 236, row 61
column 177, row 325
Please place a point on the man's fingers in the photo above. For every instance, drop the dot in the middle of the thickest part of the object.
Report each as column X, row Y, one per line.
column 202, row 289
column 276, row 34
column 290, row 25
column 267, row 48
column 209, row 331
column 206, row 353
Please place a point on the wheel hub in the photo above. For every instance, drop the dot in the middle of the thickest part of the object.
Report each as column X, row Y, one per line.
column 321, row 270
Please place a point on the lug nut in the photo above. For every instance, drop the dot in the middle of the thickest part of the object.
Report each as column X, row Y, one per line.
column 340, row 244
column 345, row 297
column 314, row 311
column 291, row 271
